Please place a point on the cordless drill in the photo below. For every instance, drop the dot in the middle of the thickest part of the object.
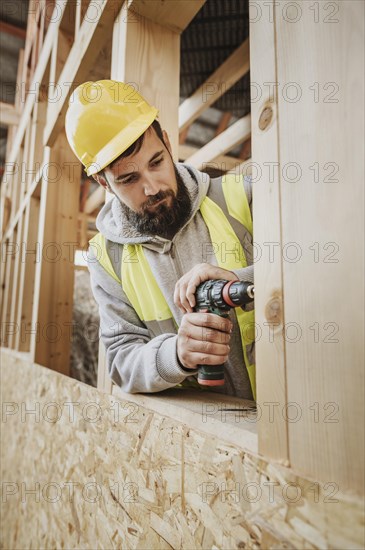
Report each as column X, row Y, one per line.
column 218, row 296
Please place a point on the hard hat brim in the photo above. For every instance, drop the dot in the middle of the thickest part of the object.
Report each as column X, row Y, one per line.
column 120, row 143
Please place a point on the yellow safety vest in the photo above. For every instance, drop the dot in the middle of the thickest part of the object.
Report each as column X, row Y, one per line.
column 140, row 285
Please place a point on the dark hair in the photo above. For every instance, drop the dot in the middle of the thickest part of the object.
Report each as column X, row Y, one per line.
column 136, row 146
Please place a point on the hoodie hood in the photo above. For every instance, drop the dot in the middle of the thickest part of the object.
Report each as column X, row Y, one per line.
column 112, row 223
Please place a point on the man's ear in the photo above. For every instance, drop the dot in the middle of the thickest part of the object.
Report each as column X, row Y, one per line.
column 101, row 180
column 167, row 141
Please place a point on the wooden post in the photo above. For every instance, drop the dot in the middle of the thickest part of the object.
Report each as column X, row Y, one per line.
column 322, row 204
column 269, row 313
column 54, row 277
column 308, row 129
column 30, row 255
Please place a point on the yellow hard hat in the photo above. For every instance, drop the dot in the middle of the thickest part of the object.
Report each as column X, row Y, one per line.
column 103, row 119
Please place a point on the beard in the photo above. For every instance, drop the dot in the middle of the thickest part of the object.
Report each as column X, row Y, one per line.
column 165, row 219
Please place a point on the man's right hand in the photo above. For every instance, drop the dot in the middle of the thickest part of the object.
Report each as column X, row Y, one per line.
column 203, row 339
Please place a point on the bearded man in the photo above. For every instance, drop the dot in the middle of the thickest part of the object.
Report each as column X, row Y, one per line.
column 168, row 228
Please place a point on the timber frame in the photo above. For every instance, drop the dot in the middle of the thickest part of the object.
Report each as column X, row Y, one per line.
column 308, row 214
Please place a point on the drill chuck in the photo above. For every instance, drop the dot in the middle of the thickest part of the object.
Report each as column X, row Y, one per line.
column 223, row 295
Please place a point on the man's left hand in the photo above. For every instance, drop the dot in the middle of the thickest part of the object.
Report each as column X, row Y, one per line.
column 184, row 295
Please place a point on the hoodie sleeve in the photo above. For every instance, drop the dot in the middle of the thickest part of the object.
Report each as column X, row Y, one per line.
column 136, row 362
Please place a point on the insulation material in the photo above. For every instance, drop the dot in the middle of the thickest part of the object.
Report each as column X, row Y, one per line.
column 85, row 340
column 82, row 469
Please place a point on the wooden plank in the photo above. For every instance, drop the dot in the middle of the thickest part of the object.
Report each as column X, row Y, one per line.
column 16, row 270
column 94, row 33
column 227, row 140
column 29, row 154
column 33, row 189
column 84, row 193
column 158, row 55
column 3, row 260
column 29, row 42
column 222, row 162
column 63, row 45
column 30, row 254
column 174, row 15
column 54, row 277
column 223, row 78
column 96, row 199
column 183, row 135
column 223, row 123
column 204, row 411
column 139, row 478
column 41, row 27
column 37, row 149
column 7, row 326
column 321, row 147
column 245, row 152
column 77, row 17
column 6, row 209
column 17, row 178
column 8, row 114
column 38, row 75
column 17, row 103
column 23, row 169
column 269, row 314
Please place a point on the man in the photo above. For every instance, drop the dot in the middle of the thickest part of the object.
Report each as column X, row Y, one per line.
column 167, row 229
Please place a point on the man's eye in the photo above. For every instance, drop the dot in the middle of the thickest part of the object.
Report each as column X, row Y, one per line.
column 157, row 162
column 129, row 180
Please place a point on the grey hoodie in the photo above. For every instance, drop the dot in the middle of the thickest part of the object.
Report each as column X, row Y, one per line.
column 142, row 357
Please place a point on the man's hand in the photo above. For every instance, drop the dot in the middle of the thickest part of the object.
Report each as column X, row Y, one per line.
column 203, row 339
column 184, row 295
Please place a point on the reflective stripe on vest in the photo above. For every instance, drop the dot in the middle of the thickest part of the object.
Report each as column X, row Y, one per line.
column 139, row 283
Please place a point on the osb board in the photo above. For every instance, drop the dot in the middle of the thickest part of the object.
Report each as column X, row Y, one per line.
column 89, row 471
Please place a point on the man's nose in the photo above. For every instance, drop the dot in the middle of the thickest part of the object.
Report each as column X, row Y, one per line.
column 150, row 186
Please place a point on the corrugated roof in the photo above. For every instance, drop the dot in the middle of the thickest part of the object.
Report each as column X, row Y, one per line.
column 216, row 31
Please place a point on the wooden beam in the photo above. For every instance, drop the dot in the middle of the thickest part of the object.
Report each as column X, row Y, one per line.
column 245, row 152
column 17, row 103
column 54, row 276
column 7, row 326
column 269, row 301
column 223, row 78
column 16, row 281
column 226, row 162
column 93, row 33
column 227, row 140
column 12, row 30
column 84, row 193
column 174, row 14
column 29, row 256
column 96, row 199
column 158, row 55
column 8, row 114
column 23, row 204
column 6, row 213
column 38, row 75
column 223, row 123
column 322, row 204
column 183, row 135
